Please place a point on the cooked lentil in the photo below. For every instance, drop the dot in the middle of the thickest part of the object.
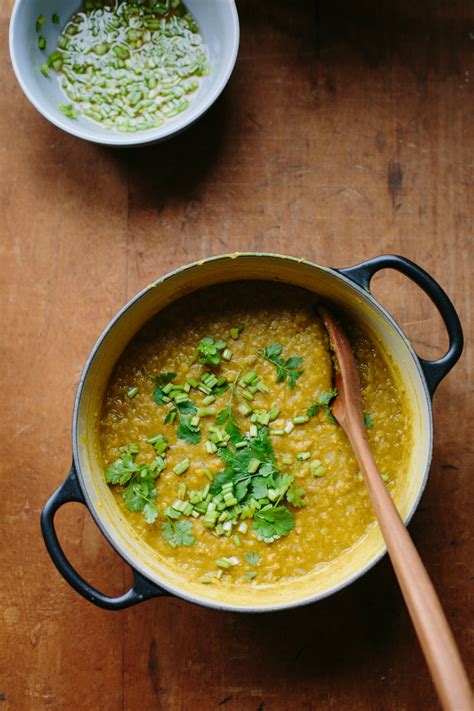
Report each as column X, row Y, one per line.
column 337, row 512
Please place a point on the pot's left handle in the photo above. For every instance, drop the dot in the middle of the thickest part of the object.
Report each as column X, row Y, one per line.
column 142, row 589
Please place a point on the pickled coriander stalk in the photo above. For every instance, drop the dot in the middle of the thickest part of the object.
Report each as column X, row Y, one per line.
column 131, row 64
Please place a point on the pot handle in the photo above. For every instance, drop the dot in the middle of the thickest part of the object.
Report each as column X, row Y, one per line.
column 434, row 370
column 142, row 589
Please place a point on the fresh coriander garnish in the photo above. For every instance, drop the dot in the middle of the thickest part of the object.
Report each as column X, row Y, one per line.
column 55, row 19
column 166, row 391
column 161, row 381
column 252, row 557
column 368, row 421
column 324, row 401
column 287, row 370
column 209, row 351
column 139, row 493
column 226, row 414
column 186, row 430
column 42, row 43
column 271, row 523
column 178, row 533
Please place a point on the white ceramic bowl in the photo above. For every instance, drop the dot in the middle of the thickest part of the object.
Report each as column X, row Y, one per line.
column 219, row 24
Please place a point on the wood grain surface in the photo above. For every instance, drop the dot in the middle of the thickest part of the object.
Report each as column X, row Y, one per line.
column 346, row 131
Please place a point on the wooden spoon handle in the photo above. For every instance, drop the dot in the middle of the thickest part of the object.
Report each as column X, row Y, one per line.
column 427, row 615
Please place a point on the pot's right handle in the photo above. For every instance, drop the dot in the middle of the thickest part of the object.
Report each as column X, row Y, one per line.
column 142, row 589
column 434, row 370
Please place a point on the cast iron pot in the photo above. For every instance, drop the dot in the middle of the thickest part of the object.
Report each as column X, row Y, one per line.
column 348, row 289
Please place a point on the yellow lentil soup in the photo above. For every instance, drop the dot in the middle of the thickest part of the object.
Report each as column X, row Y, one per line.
column 219, row 444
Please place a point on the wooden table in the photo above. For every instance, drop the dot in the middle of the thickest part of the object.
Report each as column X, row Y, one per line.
column 346, row 131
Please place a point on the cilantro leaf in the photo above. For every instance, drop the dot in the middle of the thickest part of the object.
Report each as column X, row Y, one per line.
column 252, row 557
column 313, row 410
column 368, row 421
column 324, row 400
column 150, row 513
column 138, row 493
column 326, row 397
column 160, row 381
column 190, row 433
column 237, row 461
column 122, row 470
column 273, row 351
column 219, row 389
column 178, row 533
column 281, row 484
column 187, row 407
column 260, row 486
column 219, row 480
column 223, row 415
column 208, row 351
column 271, row 523
column 286, row 370
column 233, row 430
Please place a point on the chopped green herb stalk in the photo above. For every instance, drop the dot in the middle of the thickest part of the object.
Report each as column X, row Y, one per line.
column 288, row 370
column 42, row 43
column 300, row 420
column 182, row 466
column 132, row 392
column 235, row 332
column 227, row 562
column 302, row 456
column 55, row 19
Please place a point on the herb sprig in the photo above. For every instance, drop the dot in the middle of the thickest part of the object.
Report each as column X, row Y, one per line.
column 324, row 401
column 139, row 493
column 288, row 370
column 178, row 533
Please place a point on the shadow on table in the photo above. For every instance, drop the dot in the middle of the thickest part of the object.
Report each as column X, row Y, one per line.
column 175, row 168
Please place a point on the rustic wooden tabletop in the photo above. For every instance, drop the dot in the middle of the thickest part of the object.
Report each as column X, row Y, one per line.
column 346, row 131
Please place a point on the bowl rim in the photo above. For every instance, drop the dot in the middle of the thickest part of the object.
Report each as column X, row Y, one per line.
column 161, row 133
column 136, row 564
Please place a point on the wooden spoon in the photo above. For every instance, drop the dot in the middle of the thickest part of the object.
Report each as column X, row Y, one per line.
column 436, row 639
